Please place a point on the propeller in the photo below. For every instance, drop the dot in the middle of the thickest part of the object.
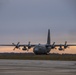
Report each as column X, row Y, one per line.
column 65, row 45
column 60, row 48
column 29, row 45
column 16, row 45
column 53, row 46
column 24, row 48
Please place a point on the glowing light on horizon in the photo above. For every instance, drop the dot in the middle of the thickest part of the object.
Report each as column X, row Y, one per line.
column 71, row 50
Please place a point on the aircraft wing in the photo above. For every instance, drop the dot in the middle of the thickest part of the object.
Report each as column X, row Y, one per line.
column 71, row 45
column 22, row 45
column 6, row 45
column 19, row 45
column 32, row 45
column 57, row 45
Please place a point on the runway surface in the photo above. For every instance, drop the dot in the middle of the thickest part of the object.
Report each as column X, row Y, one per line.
column 37, row 67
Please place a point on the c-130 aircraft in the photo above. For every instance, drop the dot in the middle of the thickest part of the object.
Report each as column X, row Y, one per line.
column 40, row 48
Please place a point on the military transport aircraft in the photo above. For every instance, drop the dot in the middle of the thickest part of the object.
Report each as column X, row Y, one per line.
column 41, row 48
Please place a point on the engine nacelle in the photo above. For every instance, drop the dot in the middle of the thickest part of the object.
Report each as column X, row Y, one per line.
column 53, row 46
column 60, row 49
column 65, row 46
column 24, row 48
column 29, row 47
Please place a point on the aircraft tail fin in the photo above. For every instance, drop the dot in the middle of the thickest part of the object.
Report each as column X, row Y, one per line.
column 48, row 37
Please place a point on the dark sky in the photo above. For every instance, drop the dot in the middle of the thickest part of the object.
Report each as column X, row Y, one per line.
column 29, row 20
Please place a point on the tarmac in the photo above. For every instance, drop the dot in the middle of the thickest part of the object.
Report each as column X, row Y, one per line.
column 37, row 67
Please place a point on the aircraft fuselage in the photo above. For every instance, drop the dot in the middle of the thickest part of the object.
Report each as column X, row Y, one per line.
column 41, row 49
